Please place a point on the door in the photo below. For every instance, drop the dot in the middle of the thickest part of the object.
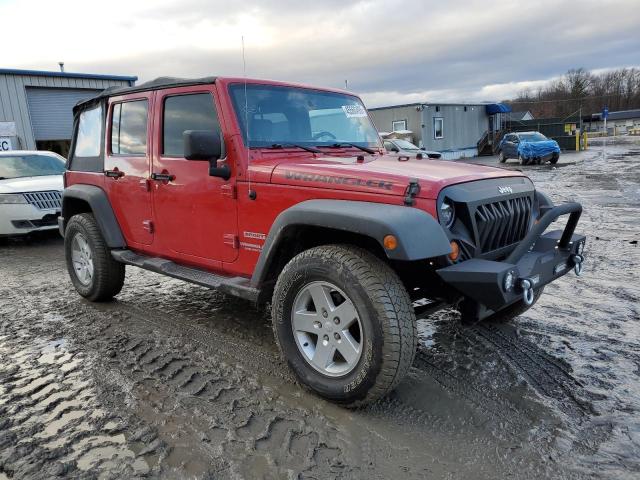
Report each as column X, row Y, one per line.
column 195, row 213
column 51, row 110
column 127, row 167
column 508, row 147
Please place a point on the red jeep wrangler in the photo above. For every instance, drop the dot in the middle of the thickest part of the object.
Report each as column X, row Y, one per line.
column 283, row 193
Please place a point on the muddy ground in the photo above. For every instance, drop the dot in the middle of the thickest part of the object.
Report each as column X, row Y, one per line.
column 175, row 381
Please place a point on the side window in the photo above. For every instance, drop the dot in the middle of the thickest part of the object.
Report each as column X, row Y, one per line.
column 438, row 128
column 129, row 128
column 398, row 125
column 186, row 112
column 388, row 146
column 89, row 133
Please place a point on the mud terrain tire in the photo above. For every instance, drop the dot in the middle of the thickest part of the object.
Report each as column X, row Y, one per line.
column 514, row 310
column 388, row 323
column 108, row 275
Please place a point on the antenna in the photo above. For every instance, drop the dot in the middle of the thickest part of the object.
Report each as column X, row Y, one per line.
column 252, row 193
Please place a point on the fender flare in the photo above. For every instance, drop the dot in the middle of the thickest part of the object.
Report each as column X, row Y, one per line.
column 419, row 235
column 100, row 206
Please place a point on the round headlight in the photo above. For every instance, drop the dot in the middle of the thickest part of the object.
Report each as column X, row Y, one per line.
column 446, row 213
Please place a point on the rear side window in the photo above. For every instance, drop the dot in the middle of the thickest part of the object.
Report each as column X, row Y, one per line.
column 129, row 128
column 89, row 133
column 186, row 112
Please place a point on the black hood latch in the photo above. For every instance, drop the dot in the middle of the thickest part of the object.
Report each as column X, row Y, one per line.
column 412, row 190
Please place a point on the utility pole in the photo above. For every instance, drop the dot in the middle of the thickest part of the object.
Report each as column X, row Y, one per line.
column 346, row 85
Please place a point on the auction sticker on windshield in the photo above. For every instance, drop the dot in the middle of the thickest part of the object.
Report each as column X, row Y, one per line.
column 354, row 111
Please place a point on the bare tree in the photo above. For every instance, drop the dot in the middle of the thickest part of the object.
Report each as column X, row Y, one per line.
column 580, row 89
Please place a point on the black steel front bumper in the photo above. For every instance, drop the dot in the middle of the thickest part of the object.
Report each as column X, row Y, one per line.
column 537, row 260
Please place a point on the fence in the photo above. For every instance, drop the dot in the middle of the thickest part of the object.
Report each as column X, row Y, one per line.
column 565, row 131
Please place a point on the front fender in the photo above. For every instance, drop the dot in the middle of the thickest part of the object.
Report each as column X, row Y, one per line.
column 419, row 235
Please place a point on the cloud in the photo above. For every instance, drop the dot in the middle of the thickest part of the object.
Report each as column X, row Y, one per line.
column 389, row 51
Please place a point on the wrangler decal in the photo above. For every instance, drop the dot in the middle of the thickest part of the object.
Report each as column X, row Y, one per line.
column 308, row 177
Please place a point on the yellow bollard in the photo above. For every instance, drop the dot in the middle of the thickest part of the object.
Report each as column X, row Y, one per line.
column 577, row 141
column 585, row 141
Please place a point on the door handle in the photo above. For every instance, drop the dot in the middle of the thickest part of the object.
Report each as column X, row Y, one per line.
column 115, row 173
column 163, row 177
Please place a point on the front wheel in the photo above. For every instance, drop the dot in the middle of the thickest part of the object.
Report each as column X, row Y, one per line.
column 522, row 160
column 501, row 157
column 94, row 273
column 344, row 323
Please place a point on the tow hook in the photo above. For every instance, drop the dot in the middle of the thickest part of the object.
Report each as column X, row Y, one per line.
column 577, row 263
column 527, row 291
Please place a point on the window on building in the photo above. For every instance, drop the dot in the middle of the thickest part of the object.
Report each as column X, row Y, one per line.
column 186, row 112
column 398, row 125
column 89, row 133
column 438, row 128
column 129, row 128
column 437, row 108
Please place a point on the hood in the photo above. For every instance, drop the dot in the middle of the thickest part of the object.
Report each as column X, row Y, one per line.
column 384, row 174
column 32, row 184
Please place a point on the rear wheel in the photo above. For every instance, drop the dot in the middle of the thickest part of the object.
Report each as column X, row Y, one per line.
column 554, row 159
column 344, row 323
column 94, row 273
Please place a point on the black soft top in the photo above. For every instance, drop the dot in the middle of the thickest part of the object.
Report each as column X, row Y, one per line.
column 156, row 84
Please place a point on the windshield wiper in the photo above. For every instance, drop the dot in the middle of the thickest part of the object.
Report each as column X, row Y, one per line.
column 364, row 149
column 286, row 145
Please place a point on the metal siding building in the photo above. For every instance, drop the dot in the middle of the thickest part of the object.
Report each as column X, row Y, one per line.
column 40, row 103
column 463, row 125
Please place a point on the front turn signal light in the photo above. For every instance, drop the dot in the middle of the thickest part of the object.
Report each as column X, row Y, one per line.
column 455, row 251
column 390, row 242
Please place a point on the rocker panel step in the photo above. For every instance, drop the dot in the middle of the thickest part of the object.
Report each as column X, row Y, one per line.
column 236, row 286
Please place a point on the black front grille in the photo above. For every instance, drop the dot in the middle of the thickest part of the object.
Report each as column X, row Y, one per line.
column 502, row 223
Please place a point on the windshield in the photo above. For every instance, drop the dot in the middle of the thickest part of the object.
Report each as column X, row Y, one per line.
column 289, row 115
column 532, row 137
column 16, row 166
column 404, row 145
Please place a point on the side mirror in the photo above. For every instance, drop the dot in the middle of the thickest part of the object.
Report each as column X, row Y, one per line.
column 206, row 145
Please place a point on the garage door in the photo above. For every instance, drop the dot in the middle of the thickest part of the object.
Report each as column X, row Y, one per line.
column 51, row 111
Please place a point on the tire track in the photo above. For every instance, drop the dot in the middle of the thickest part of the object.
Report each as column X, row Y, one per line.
column 50, row 420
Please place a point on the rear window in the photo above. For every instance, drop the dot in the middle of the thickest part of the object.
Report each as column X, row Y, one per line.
column 89, row 133
column 32, row 165
column 129, row 128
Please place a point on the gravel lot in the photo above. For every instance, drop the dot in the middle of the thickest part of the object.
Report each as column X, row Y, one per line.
column 175, row 381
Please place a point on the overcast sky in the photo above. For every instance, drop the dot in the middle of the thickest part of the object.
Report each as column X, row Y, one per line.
column 389, row 51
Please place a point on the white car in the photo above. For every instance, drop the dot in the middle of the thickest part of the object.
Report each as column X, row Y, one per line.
column 31, row 187
column 404, row 147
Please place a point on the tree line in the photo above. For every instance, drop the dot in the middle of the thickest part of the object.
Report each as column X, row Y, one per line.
column 581, row 89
